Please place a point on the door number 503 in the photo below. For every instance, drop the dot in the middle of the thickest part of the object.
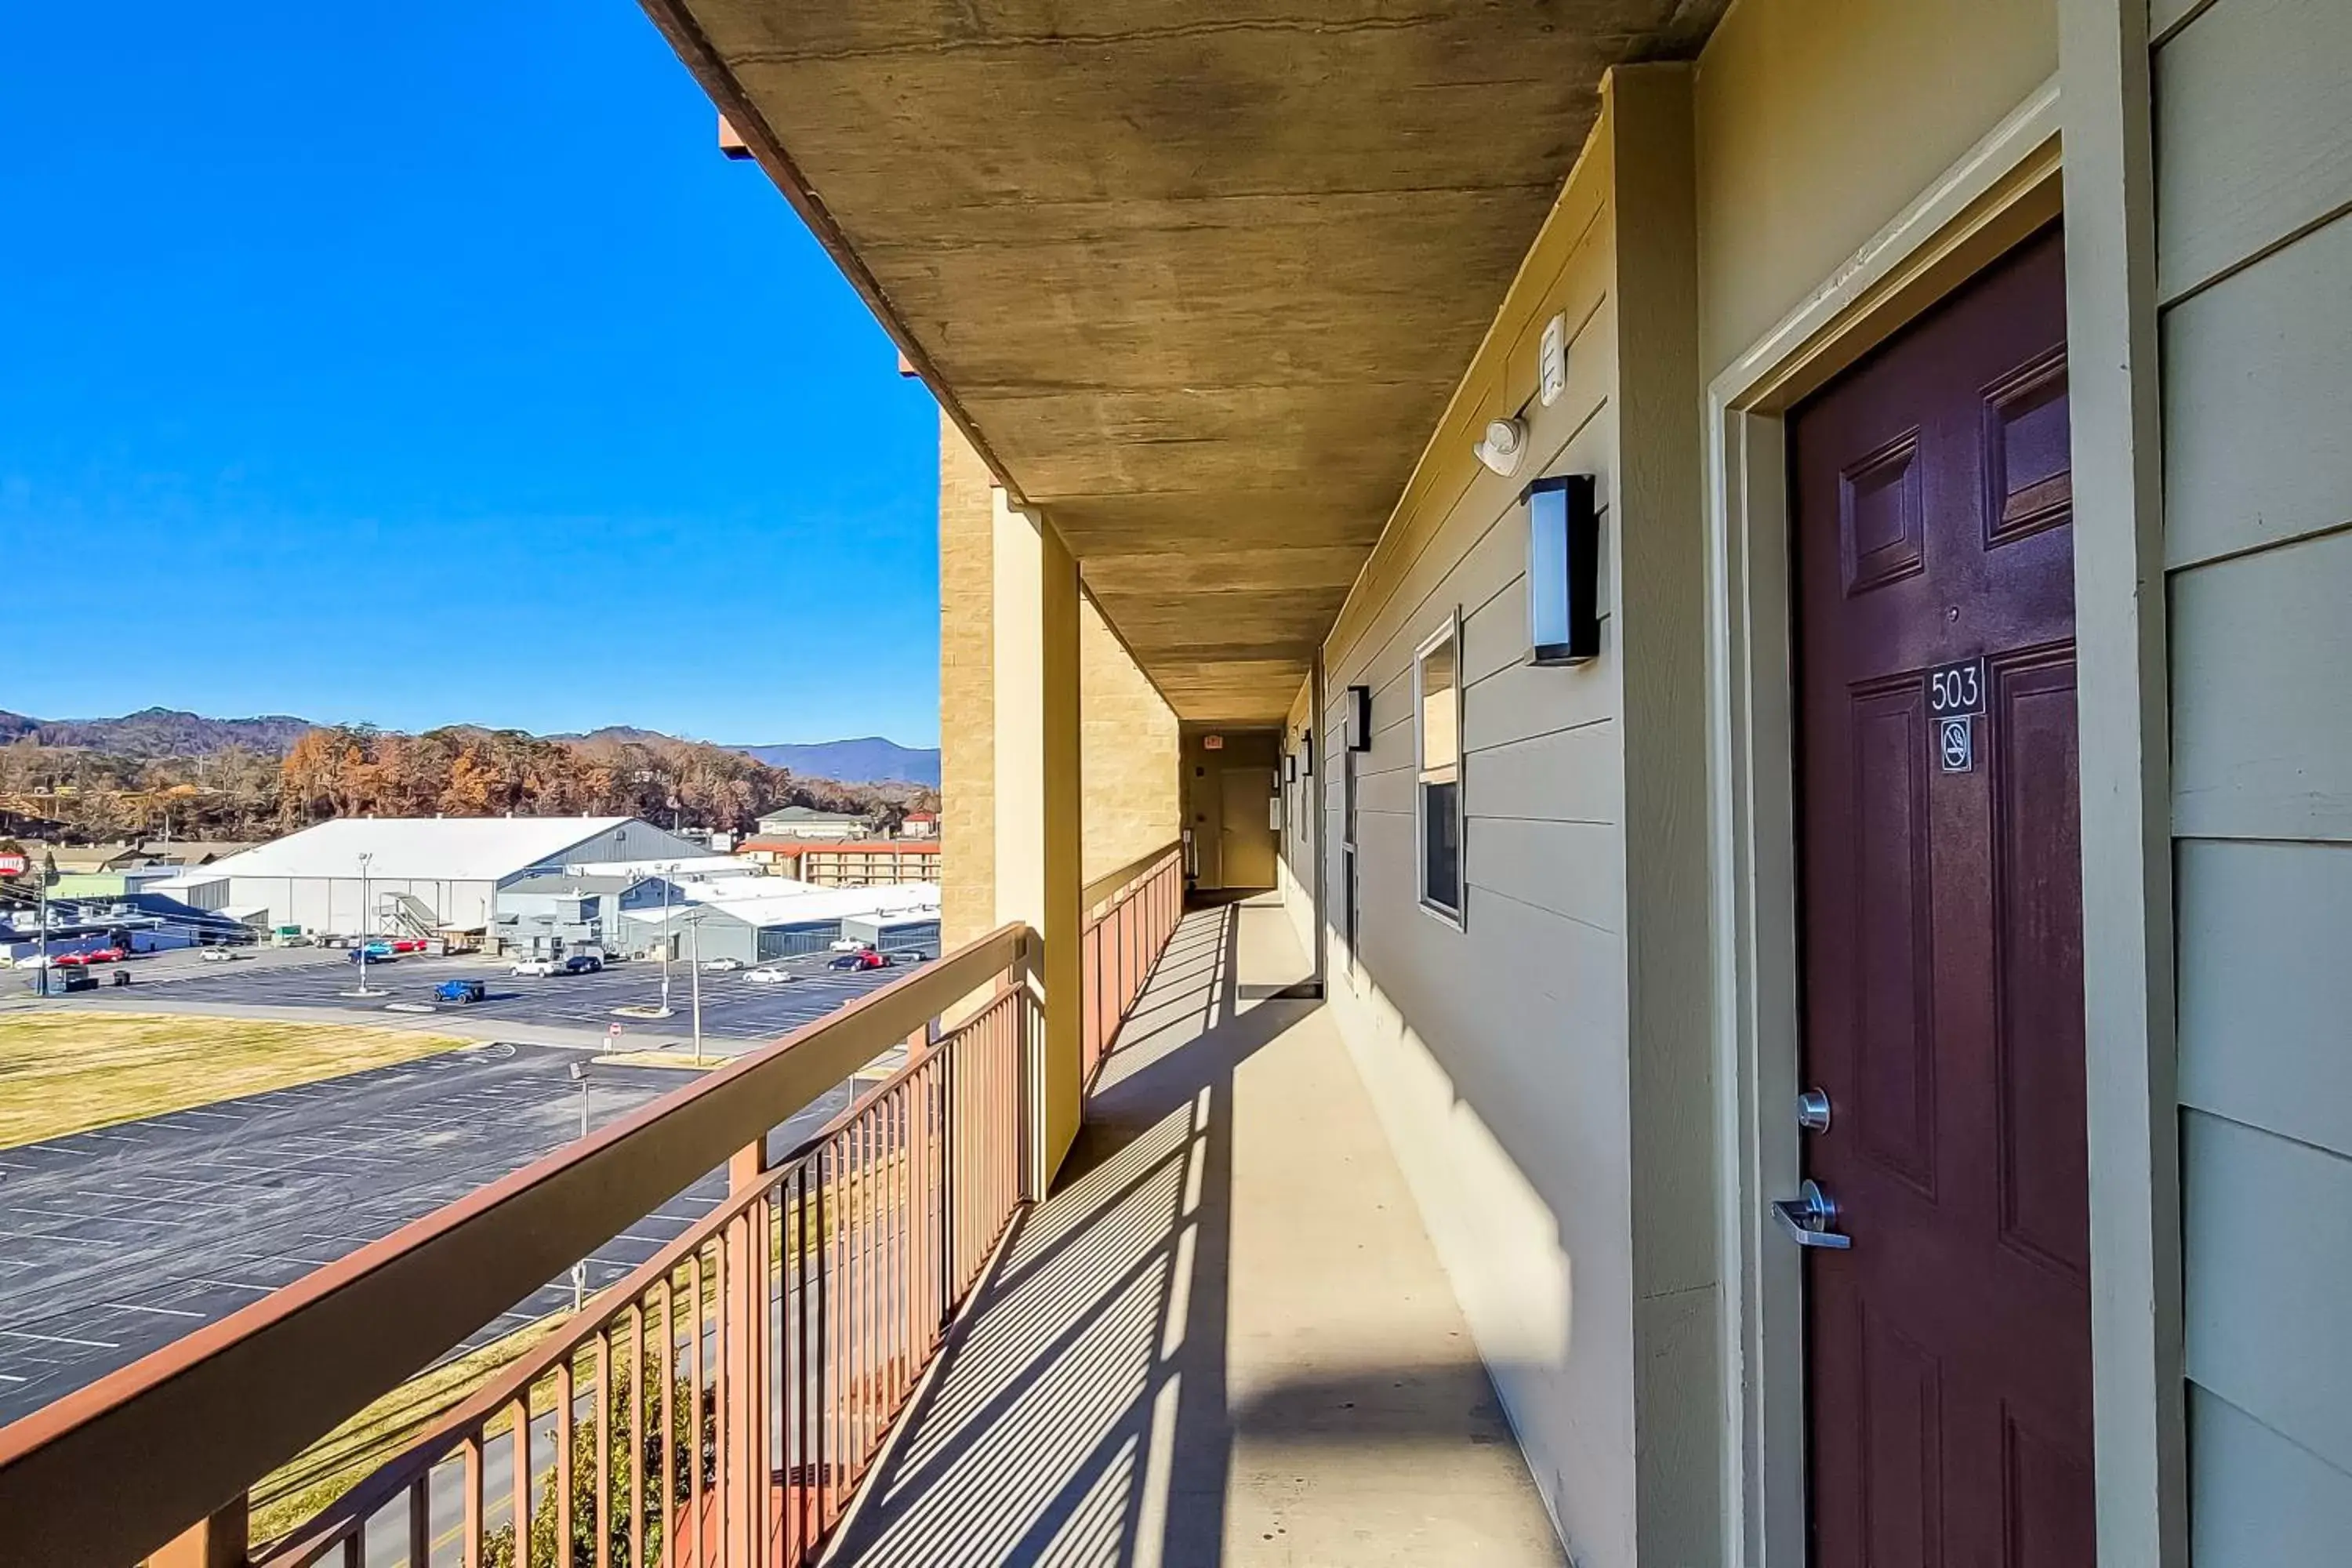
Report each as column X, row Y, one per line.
column 1953, row 689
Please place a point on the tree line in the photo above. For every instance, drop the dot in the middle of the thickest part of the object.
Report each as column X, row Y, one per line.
column 236, row 792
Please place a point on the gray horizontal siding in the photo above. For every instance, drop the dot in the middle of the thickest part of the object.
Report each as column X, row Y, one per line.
column 2254, row 123
column 2264, row 1501
column 2266, row 1225
column 2261, row 722
column 2265, row 987
column 2259, row 448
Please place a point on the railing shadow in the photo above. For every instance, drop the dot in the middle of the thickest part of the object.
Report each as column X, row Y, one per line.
column 1080, row 1413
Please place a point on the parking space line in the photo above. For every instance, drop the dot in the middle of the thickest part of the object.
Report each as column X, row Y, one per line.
column 59, row 1340
column 135, row 1307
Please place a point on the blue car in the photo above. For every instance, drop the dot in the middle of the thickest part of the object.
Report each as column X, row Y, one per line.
column 374, row 952
column 461, row 990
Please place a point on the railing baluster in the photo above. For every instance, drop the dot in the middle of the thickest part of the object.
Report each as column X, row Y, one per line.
column 519, row 1466
column 664, row 1483
column 563, row 1441
column 636, row 1319
column 471, row 1527
column 604, row 1409
column 420, row 1521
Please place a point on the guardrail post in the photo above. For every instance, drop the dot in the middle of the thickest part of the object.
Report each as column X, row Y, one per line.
column 744, row 1493
column 218, row 1541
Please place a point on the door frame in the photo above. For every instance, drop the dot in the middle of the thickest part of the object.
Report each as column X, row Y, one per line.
column 2003, row 190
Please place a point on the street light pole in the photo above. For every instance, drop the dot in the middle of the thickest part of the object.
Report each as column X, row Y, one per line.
column 365, row 858
column 41, row 976
column 695, row 981
column 668, row 939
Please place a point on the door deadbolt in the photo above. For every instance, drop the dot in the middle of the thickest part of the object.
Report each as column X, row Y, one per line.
column 1814, row 1110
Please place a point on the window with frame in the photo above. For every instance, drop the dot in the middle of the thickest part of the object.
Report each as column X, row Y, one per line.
column 1437, row 731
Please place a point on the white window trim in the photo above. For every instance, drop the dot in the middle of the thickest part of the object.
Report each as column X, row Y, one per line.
column 1455, row 918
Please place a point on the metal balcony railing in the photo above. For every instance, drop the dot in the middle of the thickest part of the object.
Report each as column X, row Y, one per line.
column 1129, row 916
column 720, row 1405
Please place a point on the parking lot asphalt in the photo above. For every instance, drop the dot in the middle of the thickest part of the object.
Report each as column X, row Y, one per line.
column 118, row 1241
column 732, row 1008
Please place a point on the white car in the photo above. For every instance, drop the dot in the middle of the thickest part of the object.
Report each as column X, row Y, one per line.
column 768, row 976
column 721, row 965
column 846, row 945
column 537, row 968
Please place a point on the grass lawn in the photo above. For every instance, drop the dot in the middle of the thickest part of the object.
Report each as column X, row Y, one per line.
column 68, row 1072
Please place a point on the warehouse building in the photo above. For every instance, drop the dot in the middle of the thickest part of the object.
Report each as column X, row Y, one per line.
column 426, row 874
column 747, row 920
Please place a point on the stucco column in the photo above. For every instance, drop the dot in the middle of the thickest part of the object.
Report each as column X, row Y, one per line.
column 1039, row 828
column 1063, row 849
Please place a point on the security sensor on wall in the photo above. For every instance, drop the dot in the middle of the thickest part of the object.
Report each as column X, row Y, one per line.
column 1506, row 444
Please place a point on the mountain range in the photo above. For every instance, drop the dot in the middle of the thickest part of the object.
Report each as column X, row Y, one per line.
column 869, row 760
column 171, row 733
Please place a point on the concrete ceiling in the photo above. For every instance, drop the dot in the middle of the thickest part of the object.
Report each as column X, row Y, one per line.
column 1197, row 277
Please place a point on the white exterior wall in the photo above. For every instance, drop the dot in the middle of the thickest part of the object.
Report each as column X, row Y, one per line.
column 2254, row 134
column 1502, row 1055
column 333, row 903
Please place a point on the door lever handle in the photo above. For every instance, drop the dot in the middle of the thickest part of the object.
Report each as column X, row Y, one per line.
column 1807, row 1217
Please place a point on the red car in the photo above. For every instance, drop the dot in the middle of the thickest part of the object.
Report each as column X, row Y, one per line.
column 408, row 944
column 104, row 955
column 866, row 959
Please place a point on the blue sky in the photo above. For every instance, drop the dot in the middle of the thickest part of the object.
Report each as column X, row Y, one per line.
column 427, row 362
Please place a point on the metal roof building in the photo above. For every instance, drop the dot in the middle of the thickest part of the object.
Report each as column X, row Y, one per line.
column 426, row 874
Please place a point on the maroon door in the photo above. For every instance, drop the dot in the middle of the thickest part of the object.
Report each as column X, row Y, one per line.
column 1948, row 1351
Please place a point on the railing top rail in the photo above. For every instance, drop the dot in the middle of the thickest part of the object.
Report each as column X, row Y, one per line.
column 1103, row 890
column 200, row 1420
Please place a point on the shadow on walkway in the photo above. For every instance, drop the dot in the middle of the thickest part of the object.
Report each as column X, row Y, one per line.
column 1224, row 1338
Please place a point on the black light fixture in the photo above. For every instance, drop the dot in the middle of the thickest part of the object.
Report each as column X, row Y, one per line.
column 1360, row 719
column 1563, row 569
column 1307, row 752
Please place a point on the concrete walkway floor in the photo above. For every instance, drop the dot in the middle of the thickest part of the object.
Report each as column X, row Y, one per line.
column 1225, row 1338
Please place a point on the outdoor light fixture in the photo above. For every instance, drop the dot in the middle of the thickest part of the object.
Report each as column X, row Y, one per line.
column 1360, row 719
column 1307, row 752
column 1506, row 444
column 1290, row 767
column 1563, row 569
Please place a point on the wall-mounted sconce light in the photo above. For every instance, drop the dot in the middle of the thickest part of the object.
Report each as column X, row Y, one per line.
column 1360, row 717
column 1290, row 767
column 1307, row 752
column 1563, row 569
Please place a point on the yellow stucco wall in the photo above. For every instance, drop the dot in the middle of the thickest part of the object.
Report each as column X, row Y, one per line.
column 1818, row 122
column 1128, row 764
column 967, row 692
column 1129, row 760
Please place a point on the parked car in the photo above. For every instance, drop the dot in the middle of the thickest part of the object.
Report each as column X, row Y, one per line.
column 460, row 991
column 846, row 945
column 374, row 952
column 865, row 958
column 537, row 968
column 768, row 975
column 721, row 965
column 222, row 955
column 69, row 960
column 103, row 955
column 409, row 945
column 583, row 963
